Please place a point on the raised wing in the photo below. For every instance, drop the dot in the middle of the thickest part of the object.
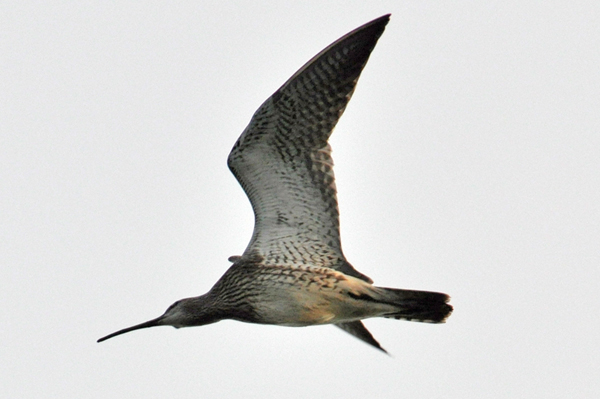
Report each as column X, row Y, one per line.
column 283, row 162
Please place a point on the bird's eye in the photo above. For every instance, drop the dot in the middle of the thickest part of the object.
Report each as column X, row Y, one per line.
column 173, row 305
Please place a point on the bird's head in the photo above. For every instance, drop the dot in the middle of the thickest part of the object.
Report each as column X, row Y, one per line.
column 183, row 313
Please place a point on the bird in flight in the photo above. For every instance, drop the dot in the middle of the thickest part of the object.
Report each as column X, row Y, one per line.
column 293, row 272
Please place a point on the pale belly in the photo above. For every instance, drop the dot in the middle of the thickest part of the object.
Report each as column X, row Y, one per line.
column 318, row 300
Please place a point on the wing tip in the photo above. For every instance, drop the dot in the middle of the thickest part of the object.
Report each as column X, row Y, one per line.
column 358, row 329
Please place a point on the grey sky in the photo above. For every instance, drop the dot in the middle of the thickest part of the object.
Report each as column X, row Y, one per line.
column 466, row 162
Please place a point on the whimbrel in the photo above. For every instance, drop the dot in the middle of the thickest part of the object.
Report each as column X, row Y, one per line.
column 293, row 272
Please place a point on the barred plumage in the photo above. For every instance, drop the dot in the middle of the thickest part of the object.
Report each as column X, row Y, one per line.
column 293, row 272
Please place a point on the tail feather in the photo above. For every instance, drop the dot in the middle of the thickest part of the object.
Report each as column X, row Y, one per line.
column 423, row 306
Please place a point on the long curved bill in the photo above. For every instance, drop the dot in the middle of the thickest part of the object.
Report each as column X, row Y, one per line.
column 149, row 323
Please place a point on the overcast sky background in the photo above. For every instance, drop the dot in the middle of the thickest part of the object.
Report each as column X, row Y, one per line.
column 467, row 162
